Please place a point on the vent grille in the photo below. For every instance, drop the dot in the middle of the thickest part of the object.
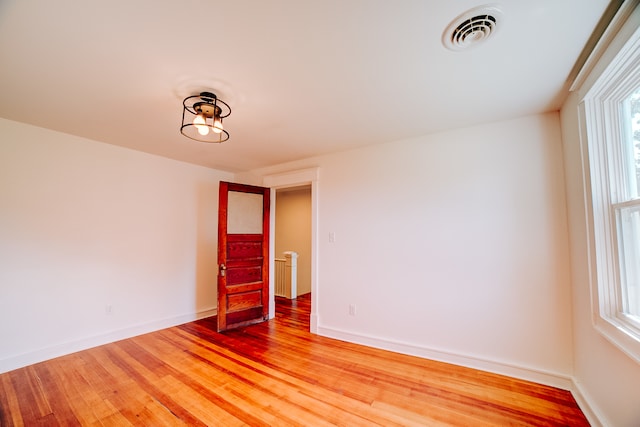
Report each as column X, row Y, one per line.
column 472, row 28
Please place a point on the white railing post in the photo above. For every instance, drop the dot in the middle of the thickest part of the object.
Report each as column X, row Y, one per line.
column 291, row 266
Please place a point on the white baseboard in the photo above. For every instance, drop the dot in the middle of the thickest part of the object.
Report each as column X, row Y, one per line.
column 539, row 376
column 313, row 324
column 553, row 379
column 596, row 419
column 58, row 350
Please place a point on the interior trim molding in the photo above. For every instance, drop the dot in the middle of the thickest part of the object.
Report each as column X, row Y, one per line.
column 596, row 419
column 51, row 352
column 296, row 177
column 540, row 376
column 553, row 379
column 614, row 18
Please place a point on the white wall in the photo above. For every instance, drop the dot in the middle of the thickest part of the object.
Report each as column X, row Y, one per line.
column 86, row 225
column 451, row 246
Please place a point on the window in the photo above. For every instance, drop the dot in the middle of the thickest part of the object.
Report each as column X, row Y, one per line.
column 611, row 112
column 627, row 209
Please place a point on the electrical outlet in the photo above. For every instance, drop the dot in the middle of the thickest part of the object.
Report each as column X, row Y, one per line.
column 108, row 309
column 352, row 309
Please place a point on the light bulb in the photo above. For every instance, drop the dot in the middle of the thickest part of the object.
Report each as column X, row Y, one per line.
column 217, row 125
column 201, row 124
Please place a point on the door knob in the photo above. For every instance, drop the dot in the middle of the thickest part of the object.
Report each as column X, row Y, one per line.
column 223, row 270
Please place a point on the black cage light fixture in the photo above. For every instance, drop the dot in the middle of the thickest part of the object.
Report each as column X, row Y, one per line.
column 202, row 118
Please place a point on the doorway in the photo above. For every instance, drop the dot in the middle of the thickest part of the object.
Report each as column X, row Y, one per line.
column 299, row 178
column 293, row 234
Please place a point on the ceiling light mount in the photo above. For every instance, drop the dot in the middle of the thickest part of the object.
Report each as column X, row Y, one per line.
column 202, row 118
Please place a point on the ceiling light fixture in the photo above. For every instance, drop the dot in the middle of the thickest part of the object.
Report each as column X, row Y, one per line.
column 202, row 118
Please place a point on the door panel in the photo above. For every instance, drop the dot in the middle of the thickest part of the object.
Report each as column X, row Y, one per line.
column 245, row 213
column 243, row 255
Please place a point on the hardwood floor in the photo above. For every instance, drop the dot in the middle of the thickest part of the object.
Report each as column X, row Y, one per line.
column 271, row 374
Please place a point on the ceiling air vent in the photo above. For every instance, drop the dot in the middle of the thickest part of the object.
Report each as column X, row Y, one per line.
column 472, row 28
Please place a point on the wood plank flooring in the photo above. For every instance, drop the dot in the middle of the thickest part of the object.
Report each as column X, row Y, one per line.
column 272, row 374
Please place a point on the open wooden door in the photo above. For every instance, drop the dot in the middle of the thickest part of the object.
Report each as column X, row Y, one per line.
column 243, row 255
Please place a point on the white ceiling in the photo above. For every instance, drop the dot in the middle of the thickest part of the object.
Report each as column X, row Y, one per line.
column 303, row 77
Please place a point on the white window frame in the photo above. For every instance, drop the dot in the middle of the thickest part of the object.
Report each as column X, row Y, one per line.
column 603, row 130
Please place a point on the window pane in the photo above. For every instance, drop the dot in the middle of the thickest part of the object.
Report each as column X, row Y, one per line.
column 244, row 213
column 629, row 251
column 634, row 148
